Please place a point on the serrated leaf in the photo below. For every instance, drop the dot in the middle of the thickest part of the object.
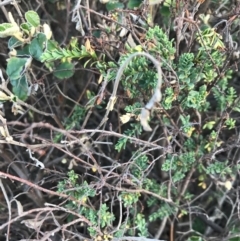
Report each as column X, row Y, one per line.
column 15, row 66
column 76, row 53
column 64, row 70
column 51, row 45
column 57, row 54
column 65, row 52
column 32, row 18
column 46, row 56
column 37, row 46
column 20, row 88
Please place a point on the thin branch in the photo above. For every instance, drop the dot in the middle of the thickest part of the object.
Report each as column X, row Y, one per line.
column 9, row 207
column 35, row 186
column 157, row 96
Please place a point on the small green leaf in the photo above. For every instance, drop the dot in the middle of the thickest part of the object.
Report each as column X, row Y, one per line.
column 209, row 125
column 114, row 5
column 15, row 66
column 165, row 11
column 26, row 27
column 32, row 18
column 64, row 70
column 46, row 56
column 8, row 29
column 96, row 33
column 51, row 45
column 195, row 238
column 5, row 26
column 20, row 88
column 14, row 43
column 57, row 54
column 37, row 46
column 134, row 3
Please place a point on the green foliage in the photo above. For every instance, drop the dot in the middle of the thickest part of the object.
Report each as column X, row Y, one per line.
column 160, row 45
column 139, row 165
column 187, row 126
column 105, row 216
column 17, row 73
column 230, row 123
column 7, row 29
column 54, row 52
column 164, row 211
column 179, row 165
column 129, row 198
column 153, row 186
column 64, row 70
column 16, row 67
column 73, row 122
column 138, row 76
column 186, row 75
column 195, row 238
column 32, row 18
column 194, row 72
column 134, row 108
column 141, row 224
column 195, row 85
column 168, row 98
column 91, row 215
column 134, row 3
column 196, row 99
column 136, row 130
column 211, row 39
column 212, row 141
column 113, row 4
column 79, row 192
column 14, row 43
column 219, row 168
column 235, row 230
column 224, row 95
column 37, row 46
column 20, row 87
column 83, row 192
column 30, row 48
column 26, row 28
